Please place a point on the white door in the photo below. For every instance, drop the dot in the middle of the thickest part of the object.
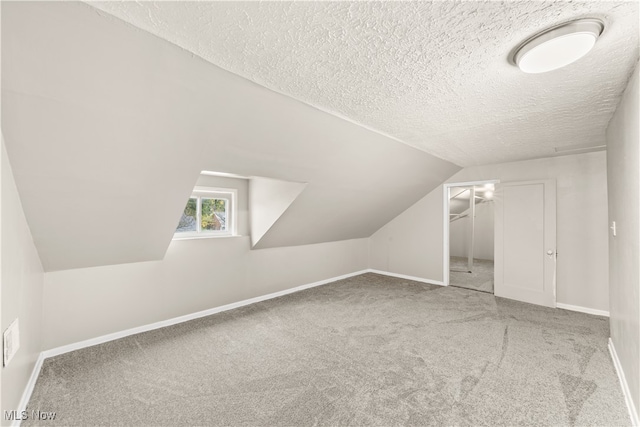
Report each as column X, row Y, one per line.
column 525, row 246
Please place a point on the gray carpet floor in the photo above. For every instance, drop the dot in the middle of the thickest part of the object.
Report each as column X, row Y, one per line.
column 480, row 278
column 369, row 350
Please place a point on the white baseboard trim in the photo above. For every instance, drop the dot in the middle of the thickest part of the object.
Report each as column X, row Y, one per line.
column 633, row 413
column 582, row 309
column 26, row 396
column 28, row 390
column 169, row 322
column 404, row 276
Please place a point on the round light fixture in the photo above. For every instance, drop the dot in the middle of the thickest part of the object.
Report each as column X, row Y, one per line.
column 557, row 46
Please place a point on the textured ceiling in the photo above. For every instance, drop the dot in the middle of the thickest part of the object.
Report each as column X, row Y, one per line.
column 434, row 75
column 108, row 127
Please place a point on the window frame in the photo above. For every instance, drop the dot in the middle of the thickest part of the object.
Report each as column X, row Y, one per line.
column 231, row 213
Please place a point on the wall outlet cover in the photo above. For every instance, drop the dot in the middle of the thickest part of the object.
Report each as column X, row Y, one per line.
column 11, row 341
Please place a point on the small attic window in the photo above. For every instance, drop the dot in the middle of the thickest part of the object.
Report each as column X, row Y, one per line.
column 210, row 212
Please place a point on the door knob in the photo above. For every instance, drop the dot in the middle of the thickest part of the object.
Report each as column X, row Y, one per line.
column 550, row 252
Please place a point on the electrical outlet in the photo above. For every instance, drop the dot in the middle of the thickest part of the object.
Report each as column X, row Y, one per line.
column 613, row 228
column 11, row 341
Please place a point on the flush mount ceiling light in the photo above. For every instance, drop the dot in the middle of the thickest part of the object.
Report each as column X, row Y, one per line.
column 557, row 46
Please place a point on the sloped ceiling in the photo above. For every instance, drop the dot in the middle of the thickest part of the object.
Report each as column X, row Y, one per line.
column 434, row 75
column 107, row 128
column 459, row 202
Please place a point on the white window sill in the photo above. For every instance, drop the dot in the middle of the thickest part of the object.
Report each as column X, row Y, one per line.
column 205, row 236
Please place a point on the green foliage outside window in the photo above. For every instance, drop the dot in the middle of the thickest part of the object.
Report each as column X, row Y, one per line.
column 191, row 209
column 214, row 214
column 188, row 219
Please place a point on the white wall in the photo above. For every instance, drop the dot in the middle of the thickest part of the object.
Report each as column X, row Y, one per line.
column 195, row 275
column 483, row 234
column 114, row 120
column 269, row 198
column 623, row 163
column 22, row 281
column 412, row 243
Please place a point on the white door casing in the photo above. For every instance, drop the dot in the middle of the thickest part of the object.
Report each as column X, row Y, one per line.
column 525, row 241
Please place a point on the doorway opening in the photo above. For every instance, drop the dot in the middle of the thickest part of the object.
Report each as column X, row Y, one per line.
column 469, row 235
